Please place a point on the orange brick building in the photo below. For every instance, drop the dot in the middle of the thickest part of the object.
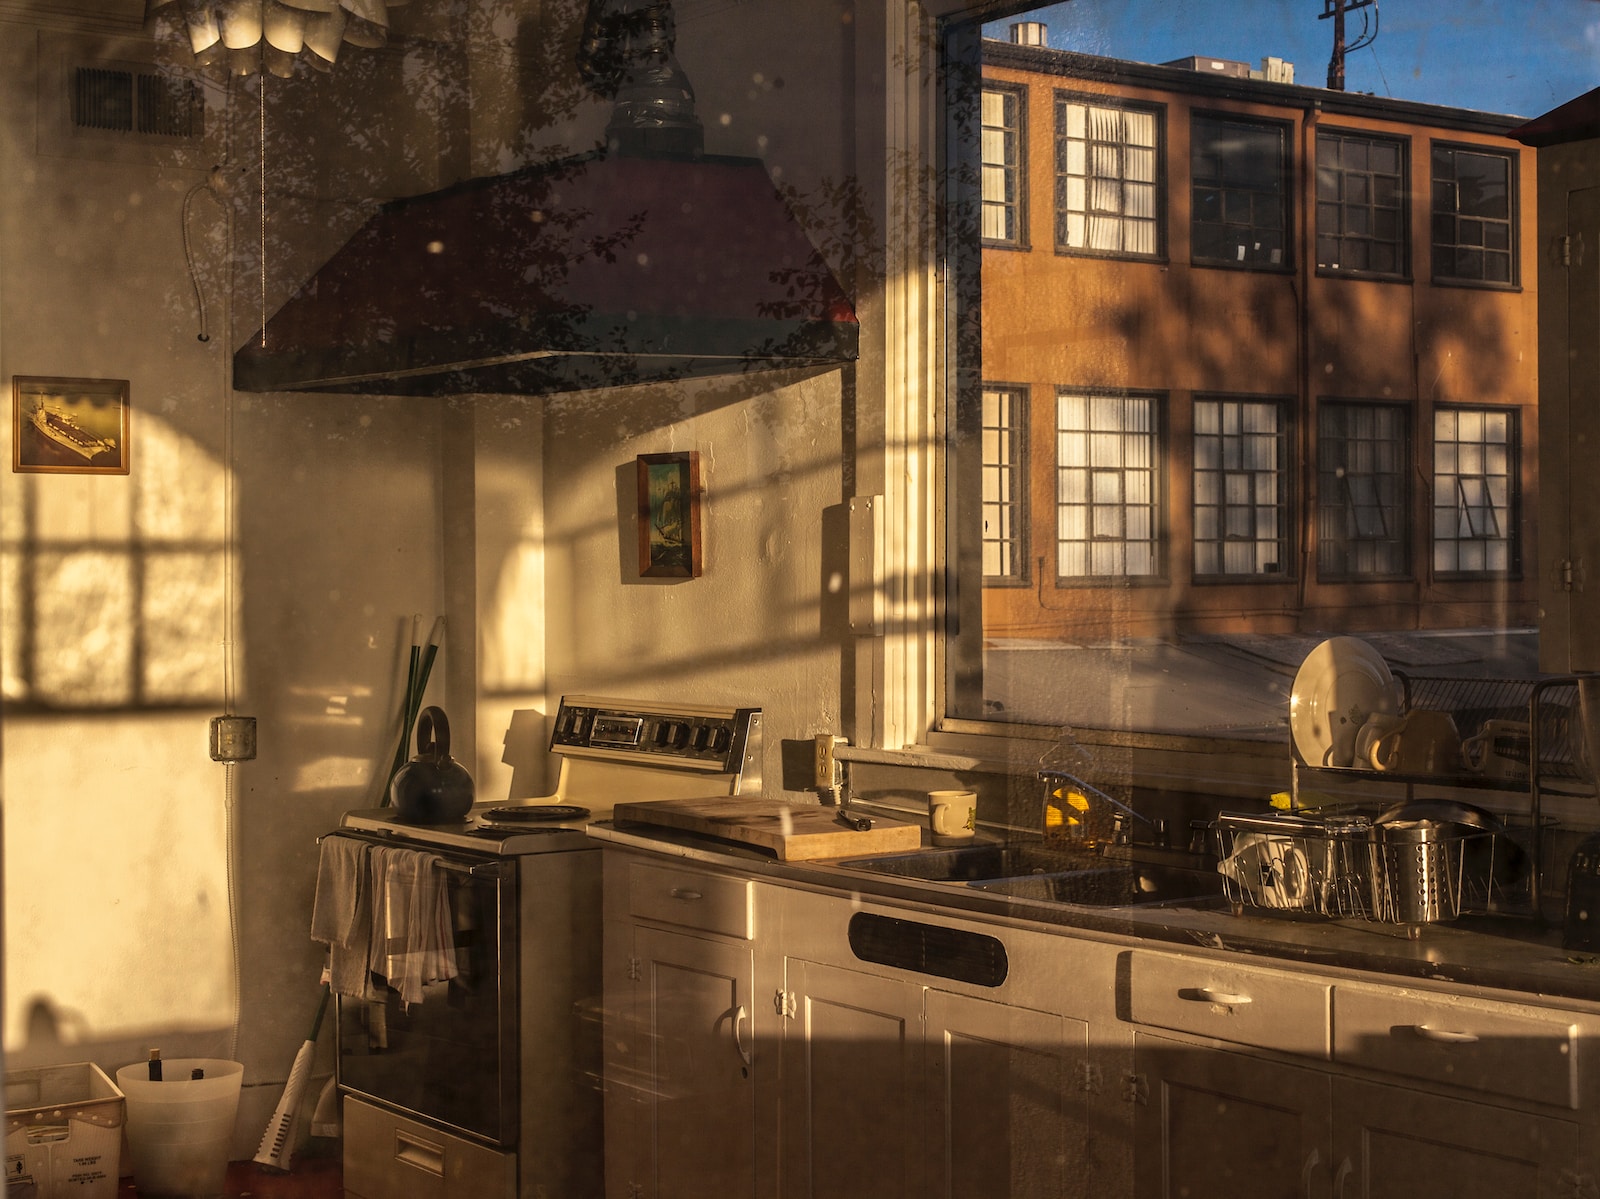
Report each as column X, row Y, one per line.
column 1256, row 357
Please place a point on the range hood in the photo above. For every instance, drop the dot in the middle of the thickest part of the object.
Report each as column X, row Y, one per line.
column 643, row 262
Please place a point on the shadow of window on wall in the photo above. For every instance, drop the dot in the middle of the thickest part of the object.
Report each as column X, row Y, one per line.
column 116, row 590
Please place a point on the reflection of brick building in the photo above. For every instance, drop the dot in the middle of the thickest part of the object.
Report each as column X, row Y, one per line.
column 1256, row 357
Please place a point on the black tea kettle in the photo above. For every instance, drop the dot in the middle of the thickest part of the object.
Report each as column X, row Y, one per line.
column 432, row 788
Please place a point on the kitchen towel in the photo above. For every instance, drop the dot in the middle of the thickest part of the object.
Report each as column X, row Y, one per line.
column 341, row 914
column 412, row 941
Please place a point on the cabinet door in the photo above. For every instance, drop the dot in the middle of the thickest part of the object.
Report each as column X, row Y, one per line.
column 694, row 1064
column 1394, row 1143
column 849, row 1095
column 1218, row 1125
column 1010, row 1090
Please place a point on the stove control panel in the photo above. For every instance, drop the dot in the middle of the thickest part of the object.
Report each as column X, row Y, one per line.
column 687, row 736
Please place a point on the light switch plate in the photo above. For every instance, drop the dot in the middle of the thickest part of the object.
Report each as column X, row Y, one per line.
column 233, row 738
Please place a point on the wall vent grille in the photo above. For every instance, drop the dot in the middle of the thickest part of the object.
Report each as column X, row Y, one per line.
column 136, row 102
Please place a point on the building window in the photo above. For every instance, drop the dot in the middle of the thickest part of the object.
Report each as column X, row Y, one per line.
column 1362, row 503
column 1361, row 204
column 1005, row 485
column 1107, row 456
column 1105, row 179
column 1241, row 509
column 1474, row 215
column 1239, row 171
column 1003, row 176
column 1474, row 491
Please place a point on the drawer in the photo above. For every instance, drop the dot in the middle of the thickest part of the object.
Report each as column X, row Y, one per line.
column 1247, row 1005
column 386, row 1154
column 1475, row 1044
column 712, row 903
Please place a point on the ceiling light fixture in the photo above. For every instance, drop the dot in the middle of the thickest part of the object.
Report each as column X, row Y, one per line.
column 247, row 36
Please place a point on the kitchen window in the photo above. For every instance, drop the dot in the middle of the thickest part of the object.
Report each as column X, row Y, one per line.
column 1362, row 498
column 1005, row 485
column 1239, row 174
column 1474, row 215
column 1107, row 458
column 1474, row 492
column 1361, row 204
column 1004, row 221
column 1241, row 510
column 1106, row 162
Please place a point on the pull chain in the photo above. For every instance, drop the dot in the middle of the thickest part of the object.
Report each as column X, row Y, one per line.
column 263, row 190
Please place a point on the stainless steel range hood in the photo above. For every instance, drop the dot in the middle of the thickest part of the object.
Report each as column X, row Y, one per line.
column 644, row 262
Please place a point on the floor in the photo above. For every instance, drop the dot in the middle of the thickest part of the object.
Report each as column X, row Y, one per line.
column 310, row 1178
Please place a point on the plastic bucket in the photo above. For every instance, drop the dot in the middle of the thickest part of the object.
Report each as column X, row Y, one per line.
column 180, row 1129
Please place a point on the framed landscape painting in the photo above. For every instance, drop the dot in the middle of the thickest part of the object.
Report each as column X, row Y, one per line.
column 69, row 426
column 669, row 515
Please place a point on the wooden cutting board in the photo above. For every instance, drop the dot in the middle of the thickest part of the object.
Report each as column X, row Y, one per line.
column 794, row 832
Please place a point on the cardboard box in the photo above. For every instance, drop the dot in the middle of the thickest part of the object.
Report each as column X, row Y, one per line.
column 63, row 1132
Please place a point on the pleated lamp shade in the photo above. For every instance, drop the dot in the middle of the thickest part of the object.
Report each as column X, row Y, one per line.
column 272, row 35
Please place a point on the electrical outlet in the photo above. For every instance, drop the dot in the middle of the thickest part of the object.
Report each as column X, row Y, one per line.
column 233, row 738
column 828, row 773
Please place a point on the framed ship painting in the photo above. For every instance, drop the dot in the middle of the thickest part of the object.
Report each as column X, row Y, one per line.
column 669, row 515
column 69, row 426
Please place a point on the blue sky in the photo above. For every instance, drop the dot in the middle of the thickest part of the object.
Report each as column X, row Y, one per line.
column 1510, row 56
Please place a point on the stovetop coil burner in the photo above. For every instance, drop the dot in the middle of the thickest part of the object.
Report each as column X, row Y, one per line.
column 520, row 815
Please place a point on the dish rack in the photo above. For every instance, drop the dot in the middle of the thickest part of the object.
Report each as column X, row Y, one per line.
column 1342, row 865
column 1536, row 746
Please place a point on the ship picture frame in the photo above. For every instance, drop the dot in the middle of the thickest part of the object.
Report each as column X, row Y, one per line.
column 70, row 426
column 669, row 516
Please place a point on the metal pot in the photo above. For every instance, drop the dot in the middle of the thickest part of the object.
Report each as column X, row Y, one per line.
column 432, row 788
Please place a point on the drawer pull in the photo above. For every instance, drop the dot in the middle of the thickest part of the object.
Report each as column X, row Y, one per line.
column 422, row 1155
column 687, row 894
column 1212, row 995
column 1445, row 1036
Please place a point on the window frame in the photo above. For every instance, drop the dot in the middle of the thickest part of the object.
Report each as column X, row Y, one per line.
column 1513, row 161
column 1018, row 172
column 1513, row 508
column 1402, row 506
column 1159, row 539
column 1284, row 437
column 1285, row 191
column 1402, row 145
column 1158, row 113
column 1021, row 517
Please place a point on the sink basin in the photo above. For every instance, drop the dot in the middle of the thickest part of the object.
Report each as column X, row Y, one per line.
column 1041, row 873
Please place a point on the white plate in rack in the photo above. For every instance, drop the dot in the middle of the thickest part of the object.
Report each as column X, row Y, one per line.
column 1341, row 683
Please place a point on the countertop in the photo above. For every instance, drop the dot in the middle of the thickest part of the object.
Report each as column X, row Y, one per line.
column 1501, row 953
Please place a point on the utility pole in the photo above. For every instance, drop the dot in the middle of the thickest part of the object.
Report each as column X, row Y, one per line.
column 1336, row 9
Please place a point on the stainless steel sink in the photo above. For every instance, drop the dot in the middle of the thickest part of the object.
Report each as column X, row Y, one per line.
column 1041, row 873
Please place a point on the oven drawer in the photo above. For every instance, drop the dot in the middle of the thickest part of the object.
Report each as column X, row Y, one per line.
column 1479, row 1045
column 1270, row 1009
column 387, row 1155
column 712, row 903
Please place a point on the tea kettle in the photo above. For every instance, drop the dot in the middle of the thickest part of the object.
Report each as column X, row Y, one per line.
column 432, row 788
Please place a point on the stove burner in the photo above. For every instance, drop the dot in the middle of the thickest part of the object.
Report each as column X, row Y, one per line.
column 526, row 814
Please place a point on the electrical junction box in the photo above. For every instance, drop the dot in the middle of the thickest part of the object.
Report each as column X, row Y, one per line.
column 233, row 738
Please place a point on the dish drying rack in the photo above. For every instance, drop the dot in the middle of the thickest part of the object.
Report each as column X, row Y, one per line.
column 1341, row 865
column 1548, row 759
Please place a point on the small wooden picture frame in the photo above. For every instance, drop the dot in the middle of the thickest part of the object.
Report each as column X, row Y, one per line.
column 69, row 426
column 669, row 516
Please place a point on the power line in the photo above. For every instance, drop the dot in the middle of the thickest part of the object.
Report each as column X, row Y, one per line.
column 1369, row 31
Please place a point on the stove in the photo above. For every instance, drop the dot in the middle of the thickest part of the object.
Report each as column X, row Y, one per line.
column 492, row 1080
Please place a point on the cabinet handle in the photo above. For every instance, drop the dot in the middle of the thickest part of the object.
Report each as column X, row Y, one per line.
column 1312, row 1159
column 422, row 1155
column 739, row 1017
column 1211, row 995
column 1445, row 1036
column 1342, row 1177
column 687, row 894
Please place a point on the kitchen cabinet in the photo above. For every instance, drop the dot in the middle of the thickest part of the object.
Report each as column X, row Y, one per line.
column 1215, row 1124
column 680, row 1030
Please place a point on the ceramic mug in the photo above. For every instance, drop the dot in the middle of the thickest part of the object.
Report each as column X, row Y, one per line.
column 1501, row 750
column 1424, row 742
column 952, row 815
column 1378, row 725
